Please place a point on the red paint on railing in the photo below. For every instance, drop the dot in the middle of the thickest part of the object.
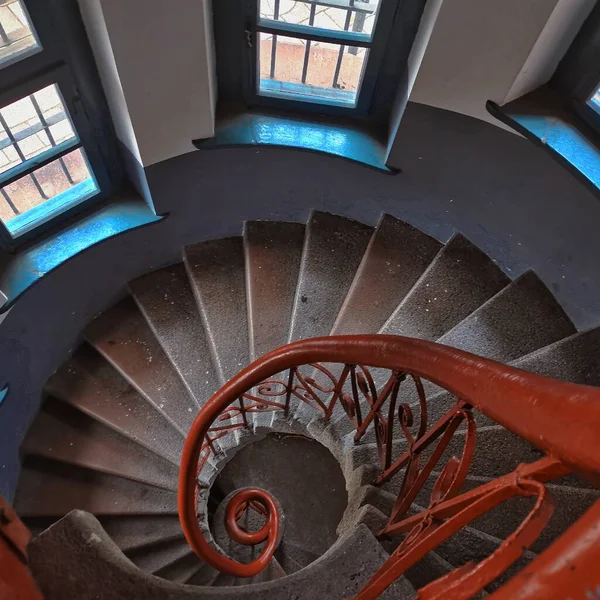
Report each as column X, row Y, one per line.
column 562, row 419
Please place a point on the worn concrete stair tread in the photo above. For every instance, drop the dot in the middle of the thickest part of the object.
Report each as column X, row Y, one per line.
column 153, row 559
column 123, row 337
column 216, row 272
column 333, row 249
column 573, row 359
column 273, row 251
column 48, row 489
column 182, row 570
column 64, row 434
column 519, row 319
column 78, row 539
column 470, row 544
column 272, row 572
column 457, row 282
column 87, row 382
column 166, row 300
column 292, row 557
column 132, row 532
column 397, row 255
column 431, row 567
column 503, row 520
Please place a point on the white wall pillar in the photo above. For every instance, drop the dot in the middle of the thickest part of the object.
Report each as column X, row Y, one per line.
column 156, row 62
column 496, row 50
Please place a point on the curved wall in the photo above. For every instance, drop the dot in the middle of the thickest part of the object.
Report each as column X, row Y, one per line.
column 459, row 174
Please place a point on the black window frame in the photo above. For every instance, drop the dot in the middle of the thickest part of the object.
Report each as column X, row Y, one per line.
column 377, row 44
column 577, row 77
column 65, row 59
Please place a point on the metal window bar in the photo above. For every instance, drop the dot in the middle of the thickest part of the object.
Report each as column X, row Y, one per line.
column 311, row 22
column 7, row 39
column 46, row 128
column 358, row 5
column 9, row 201
column 338, row 64
column 4, row 37
column 18, row 150
column 358, row 25
column 274, row 41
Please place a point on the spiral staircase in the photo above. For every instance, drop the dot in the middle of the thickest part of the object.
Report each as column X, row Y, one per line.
column 101, row 461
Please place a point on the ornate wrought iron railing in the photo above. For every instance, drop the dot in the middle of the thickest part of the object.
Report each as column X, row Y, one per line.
column 559, row 418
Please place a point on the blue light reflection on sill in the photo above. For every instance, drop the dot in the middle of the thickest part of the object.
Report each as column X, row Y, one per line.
column 29, row 266
column 51, row 208
column 303, row 92
column 256, row 129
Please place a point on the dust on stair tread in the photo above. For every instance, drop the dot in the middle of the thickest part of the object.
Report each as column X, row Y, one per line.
column 166, row 299
column 123, row 337
column 89, row 383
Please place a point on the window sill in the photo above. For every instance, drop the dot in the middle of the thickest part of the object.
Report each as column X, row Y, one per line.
column 337, row 137
column 542, row 118
column 23, row 270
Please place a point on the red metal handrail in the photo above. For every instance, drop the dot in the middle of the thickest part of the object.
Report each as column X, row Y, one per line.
column 560, row 418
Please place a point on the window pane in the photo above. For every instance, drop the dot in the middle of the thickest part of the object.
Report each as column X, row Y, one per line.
column 46, row 192
column 306, row 70
column 31, row 126
column 336, row 15
column 594, row 101
column 18, row 39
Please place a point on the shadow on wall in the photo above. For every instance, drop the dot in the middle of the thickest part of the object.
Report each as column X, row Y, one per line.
column 461, row 174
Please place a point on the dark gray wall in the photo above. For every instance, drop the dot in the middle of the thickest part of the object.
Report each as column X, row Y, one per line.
column 459, row 174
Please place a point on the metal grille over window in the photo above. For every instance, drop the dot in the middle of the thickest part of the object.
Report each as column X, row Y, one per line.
column 18, row 39
column 315, row 50
column 43, row 169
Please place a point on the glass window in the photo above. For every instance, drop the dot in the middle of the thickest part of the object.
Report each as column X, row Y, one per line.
column 18, row 39
column 334, row 15
column 315, row 50
column 310, row 70
column 594, row 101
column 43, row 171
column 46, row 192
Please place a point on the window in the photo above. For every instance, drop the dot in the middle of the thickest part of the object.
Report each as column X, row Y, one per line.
column 50, row 161
column 577, row 78
column 324, row 53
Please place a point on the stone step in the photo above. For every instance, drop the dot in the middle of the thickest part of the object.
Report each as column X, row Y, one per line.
column 67, row 435
column 167, row 302
column 87, row 382
column 397, row 255
column 153, row 559
column 123, row 337
column 216, row 272
column 132, row 532
column 333, row 249
column 49, row 489
column 182, row 570
column 292, row 557
column 75, row 559
column 521, row 318
column 458, row 281
column 503, row 520
column 472, row 545
column 573, row 359
column 273, row 252
column 431, row 567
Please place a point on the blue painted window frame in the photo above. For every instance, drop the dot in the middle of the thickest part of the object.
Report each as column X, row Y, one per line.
column 376, row 44
column 51, row 20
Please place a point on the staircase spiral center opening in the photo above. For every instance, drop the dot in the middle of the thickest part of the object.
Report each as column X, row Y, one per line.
column 308, row 486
